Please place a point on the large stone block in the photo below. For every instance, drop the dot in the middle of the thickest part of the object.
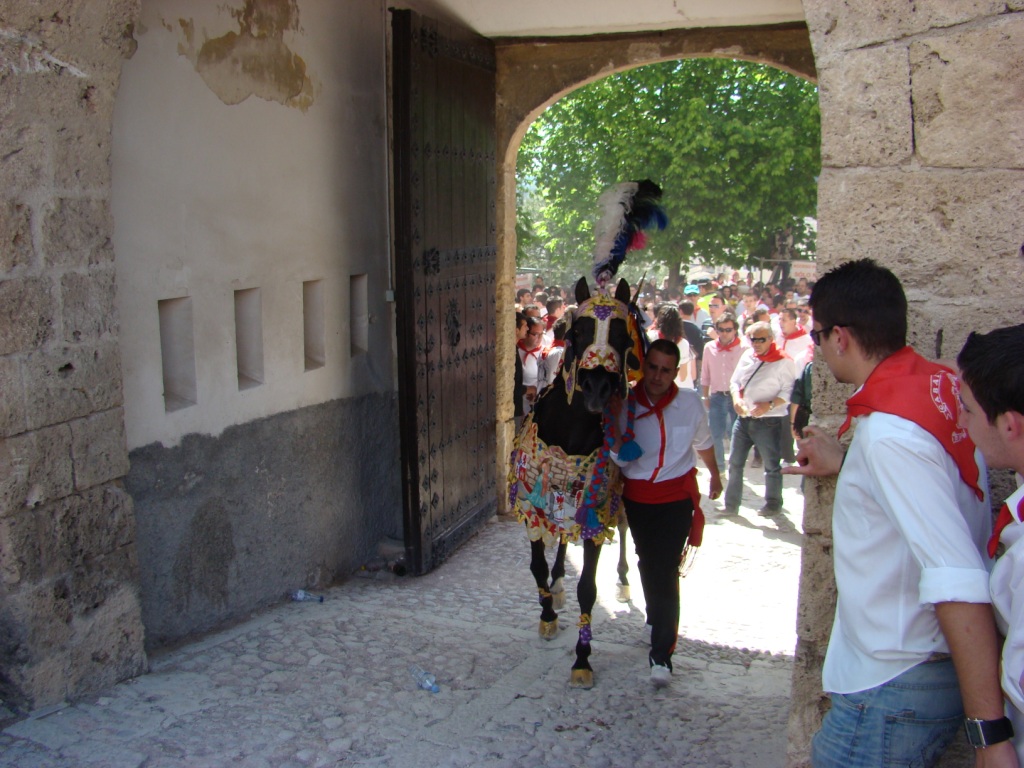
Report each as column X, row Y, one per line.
column 27, row 309
column 24, row 152
column 837, row 27
column 71, row 382
column 945, row 232
column 969, row 97
column 15, row 235
column 78, row 530
column 108, row 643
column 88, row 304
column 82, row 155
column 99, row 448
column 19, row 548
column 809, row 703
column 35, row 467
column 13, row 418
column 817, row 604
column 865, row 107
column 76, row 233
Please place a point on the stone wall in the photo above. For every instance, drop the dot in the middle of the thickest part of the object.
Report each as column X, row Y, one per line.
column 69, row 608
column 922, row 109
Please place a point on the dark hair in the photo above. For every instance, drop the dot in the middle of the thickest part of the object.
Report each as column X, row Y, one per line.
column 992, row 365
column 790, row 313
column 520, row 320
column 554, row 303
column 522, row 292
column 867, row 299
column 532, row 322
column 686, row 307
column 670, row 323
column 560, row 327
column 666, row 347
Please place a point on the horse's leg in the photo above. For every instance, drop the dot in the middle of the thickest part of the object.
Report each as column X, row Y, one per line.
column 558, row 577
column 622, row 588
column 539, row 568
column 586, row 592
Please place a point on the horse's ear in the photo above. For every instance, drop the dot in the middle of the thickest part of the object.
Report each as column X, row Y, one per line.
column 622, row 291
column 582, row 290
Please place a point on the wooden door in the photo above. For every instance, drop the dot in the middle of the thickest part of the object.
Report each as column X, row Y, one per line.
column 443, row 86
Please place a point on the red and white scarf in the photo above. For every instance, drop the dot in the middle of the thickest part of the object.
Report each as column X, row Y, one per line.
column 926, row 393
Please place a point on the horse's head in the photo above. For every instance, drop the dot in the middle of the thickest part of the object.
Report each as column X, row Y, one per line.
column 600, row 346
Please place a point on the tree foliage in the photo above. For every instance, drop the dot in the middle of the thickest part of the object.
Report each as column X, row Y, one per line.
column 734, row 145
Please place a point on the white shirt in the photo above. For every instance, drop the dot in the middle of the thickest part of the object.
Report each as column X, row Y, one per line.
column 771, row 380
column 670, row 453
column 798, row 348
column 1007, row 591
column 907, row 534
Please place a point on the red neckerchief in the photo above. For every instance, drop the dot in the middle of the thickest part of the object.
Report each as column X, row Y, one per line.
column 726, row 347
column 550, row 320
column 1003, row 520
column 773, row 355
column 794, row 335
column 641, row 397
column 906, row 385
column 534, row 352
column 557, row 343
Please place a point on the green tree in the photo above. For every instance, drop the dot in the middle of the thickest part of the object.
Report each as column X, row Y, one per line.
column 735, row 147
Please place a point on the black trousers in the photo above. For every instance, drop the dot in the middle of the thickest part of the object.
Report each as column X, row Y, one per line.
column 659, row 534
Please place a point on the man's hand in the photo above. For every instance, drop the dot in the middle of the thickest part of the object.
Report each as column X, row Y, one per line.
column 1001, row 755
column 716, row 486
column 818, row 454
column 760, row 409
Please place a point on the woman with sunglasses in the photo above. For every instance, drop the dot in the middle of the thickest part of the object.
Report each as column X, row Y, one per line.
column 761, row 387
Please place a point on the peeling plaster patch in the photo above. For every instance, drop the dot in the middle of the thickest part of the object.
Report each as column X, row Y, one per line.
column 20, row 54
column 255, row 60
column 643, row 51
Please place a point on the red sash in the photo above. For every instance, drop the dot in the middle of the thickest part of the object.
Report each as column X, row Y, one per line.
column 926, row 393
column 684, row 487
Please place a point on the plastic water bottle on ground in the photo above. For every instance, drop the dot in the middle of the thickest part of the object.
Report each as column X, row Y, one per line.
column 302, row 596
column 424, row 680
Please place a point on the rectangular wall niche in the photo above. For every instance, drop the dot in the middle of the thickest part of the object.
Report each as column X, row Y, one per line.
column 177, row 353
column 313, row 332
column 249, row 337
column 359, row 315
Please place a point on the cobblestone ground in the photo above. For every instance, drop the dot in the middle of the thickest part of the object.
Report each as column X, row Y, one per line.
column 310, row 684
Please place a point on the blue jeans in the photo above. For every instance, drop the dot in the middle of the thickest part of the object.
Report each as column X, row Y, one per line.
column 721, row 417
column 764, row 433
column 908, row 721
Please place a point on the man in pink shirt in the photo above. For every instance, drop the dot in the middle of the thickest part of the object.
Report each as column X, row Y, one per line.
column 720, row 359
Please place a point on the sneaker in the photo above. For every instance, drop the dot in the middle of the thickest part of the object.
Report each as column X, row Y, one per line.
column 661, row 675
column 767, row 511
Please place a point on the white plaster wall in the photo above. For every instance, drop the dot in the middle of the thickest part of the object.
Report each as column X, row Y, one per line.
column 210, row 198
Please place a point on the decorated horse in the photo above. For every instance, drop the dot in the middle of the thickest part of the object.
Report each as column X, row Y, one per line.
column 562, row 482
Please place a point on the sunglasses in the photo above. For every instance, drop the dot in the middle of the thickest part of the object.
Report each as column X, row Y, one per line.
column 759, row 339
column 816, row 335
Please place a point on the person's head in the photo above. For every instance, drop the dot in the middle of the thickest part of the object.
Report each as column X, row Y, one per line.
column 992, row 395
column 760, row 316
column 560, row 327
column 523, row 297
column 760, row 336
column 538, row 283
column 520, row 326
column 787, row 321
column 804, row 311
column 778, row 301
column 867, row 301
column 691, row 290
column 750, row 301
column 686, row 309
column 531, row 310
column 556, row 307
column 726, row 292
column 661, row 365
column 801, row 286
column 727, row 327
column 716, row 306
column 540, row 298
column 534, row 332
column 670, row 323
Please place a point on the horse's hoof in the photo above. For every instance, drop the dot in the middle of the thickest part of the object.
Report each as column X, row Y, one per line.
column 548, row 630
column 622, row 593
column 581, row 678
column 558, row 594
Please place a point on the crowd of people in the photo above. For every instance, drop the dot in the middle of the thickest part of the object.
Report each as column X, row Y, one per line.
column 928, row 633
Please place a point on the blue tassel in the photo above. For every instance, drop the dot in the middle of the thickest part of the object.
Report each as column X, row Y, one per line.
column 630, row 451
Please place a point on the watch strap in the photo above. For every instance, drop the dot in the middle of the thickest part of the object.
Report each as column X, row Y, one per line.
column 985, row 733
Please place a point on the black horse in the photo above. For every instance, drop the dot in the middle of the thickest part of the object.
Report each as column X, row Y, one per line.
column 562, row 483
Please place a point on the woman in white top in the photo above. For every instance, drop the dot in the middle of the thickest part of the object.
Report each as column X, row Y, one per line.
column 670, row 326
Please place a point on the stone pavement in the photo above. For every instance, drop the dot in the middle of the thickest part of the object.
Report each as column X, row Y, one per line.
column 311, row 684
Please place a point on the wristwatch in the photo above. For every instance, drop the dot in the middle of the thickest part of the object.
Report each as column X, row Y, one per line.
column 985, row 733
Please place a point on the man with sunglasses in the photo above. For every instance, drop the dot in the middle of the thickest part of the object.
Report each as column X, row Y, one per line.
column 760, row 387
column 720, row 360
column 913, row 646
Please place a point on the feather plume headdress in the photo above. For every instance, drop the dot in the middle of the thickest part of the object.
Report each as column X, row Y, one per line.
column 628, row 209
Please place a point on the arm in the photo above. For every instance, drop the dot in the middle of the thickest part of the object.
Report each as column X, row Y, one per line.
column 970, row 632
column 707, row 455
